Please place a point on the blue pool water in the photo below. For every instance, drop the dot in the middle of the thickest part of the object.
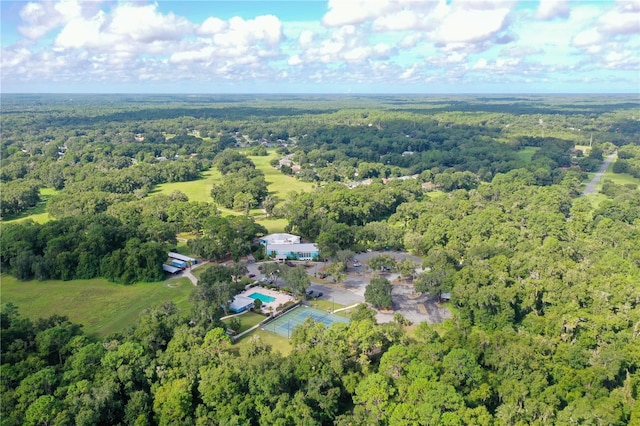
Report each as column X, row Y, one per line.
column 263, row 297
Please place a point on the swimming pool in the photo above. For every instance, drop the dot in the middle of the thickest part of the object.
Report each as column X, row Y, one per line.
column 262, row 297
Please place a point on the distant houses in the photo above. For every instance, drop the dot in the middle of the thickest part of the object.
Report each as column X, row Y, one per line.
column 283, row 247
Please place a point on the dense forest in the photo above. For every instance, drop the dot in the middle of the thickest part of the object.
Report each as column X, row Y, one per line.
column 487, row 191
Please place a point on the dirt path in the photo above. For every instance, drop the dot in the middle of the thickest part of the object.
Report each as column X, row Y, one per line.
column 591, row 186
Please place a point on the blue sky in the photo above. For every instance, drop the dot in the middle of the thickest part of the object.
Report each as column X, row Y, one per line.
column 334, row 46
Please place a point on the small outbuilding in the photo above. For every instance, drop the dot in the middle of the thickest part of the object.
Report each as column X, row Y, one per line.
column 170, row 269
column 182, row 258
column 241, row 303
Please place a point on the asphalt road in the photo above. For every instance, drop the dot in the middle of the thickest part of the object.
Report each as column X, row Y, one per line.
column 591, row 186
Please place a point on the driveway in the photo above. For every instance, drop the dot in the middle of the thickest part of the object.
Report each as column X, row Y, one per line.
column 591, row 186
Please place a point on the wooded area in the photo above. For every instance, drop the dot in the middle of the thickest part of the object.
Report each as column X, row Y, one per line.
column 544, row 282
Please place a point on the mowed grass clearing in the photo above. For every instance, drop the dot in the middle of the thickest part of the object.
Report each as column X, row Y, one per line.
column 247, row 320
column 101, row 306
column 196, row 190
column 617, row 178
column 277, row 343
column 526, row 153
column 279, row 185
column 37, row 213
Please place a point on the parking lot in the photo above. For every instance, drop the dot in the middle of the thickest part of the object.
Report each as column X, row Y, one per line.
column 351, row 291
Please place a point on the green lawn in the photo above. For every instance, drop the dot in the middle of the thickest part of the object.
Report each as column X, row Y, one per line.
column 273, row 225
column 277, row 343
column 328, row 305
column 279, row 183
column 37, row 213
column 617, row 178
column 198, row 190
column 527, row 152
column 247, row 320
column 102, row 307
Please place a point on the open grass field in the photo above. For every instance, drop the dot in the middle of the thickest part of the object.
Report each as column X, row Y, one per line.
column 272, row 225
column 247, row 320
column 198, row 190
column 102, row 307
column 279, row 184
column 618, row 178
column 37, row 213
column 328, row 305
column 526, row 153
column 277, row 343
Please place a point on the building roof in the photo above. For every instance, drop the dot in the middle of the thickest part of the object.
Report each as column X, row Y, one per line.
column 293, row 248
column 182, row 257
column 170, row 269
column 281, row 239
column 240, row 302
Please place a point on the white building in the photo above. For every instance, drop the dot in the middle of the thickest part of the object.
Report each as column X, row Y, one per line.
column 288, row 246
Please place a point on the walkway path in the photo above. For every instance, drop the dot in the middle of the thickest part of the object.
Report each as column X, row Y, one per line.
column 591, row 186
column 344, row 309
column 187, row 273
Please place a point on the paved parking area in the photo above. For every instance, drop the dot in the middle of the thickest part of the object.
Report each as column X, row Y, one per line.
column 410, row 307
column 351, row 291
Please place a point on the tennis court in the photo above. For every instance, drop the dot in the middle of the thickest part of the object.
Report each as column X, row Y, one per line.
column 285, row 324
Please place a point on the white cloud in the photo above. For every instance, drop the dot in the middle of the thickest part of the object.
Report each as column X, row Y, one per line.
column 410, row 40
column 212, row 26
column 294, row 60
column 306, row 38
column 481, row 64
column 621, row 20
column 589, row 40
column 146, row 24
column 375, row 42
column 39, row 19
column 472, row 24
column 352, row 12
column 550, row 9
column 137, row 29
column 398, row 21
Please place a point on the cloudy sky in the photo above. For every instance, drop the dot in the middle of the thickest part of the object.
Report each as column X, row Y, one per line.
column 309, row 46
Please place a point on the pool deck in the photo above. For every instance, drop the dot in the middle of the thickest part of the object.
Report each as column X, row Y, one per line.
column 280, row 298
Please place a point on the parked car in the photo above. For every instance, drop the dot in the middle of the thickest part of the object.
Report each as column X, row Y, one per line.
column 319, row 294
column 310, row 293
column 266, row 280
column 357, row 265
column 251, row 275
column 322, row 276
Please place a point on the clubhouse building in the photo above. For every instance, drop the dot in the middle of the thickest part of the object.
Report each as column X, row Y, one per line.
column 283, row 247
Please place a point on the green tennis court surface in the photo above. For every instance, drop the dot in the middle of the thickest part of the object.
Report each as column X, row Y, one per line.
column 285, row 324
